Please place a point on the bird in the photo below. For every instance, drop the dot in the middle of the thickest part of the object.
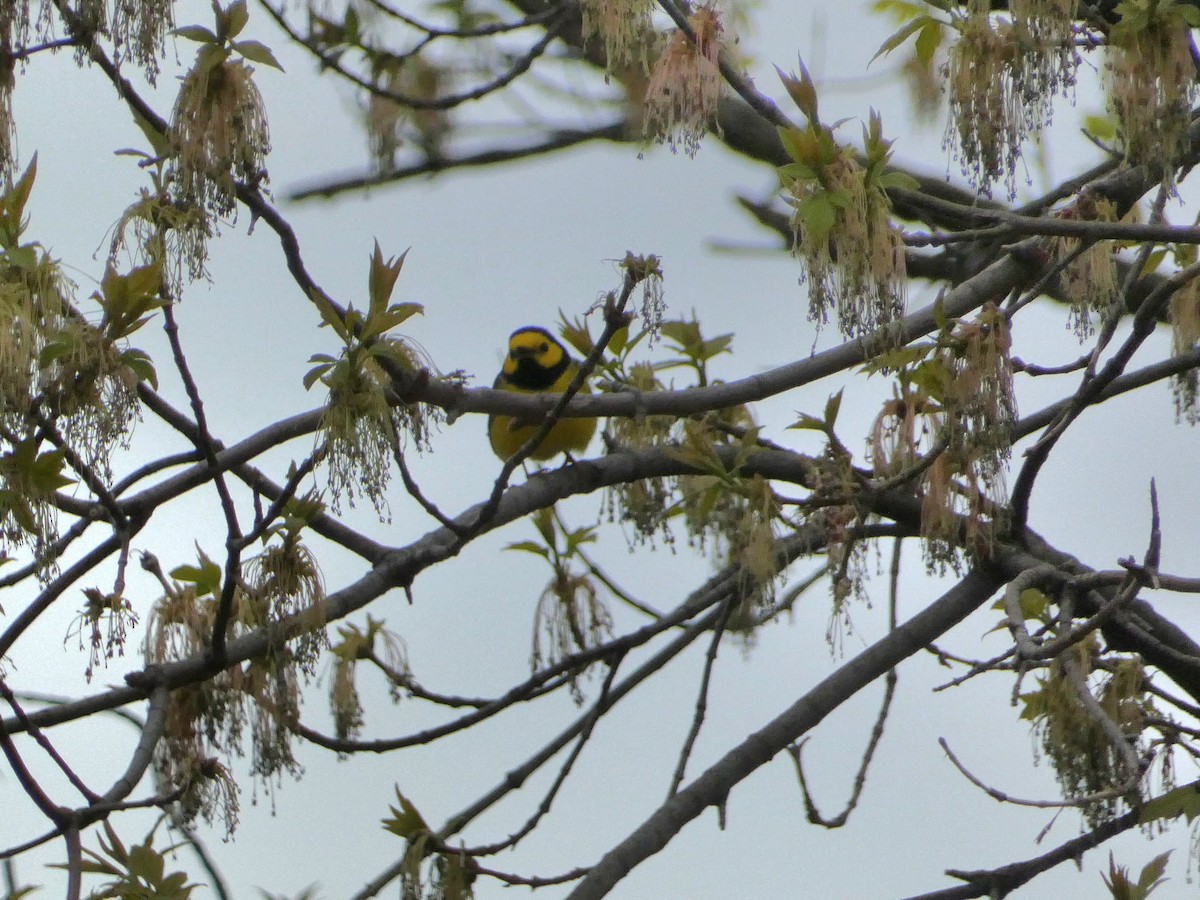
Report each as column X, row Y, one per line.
column 537, row 363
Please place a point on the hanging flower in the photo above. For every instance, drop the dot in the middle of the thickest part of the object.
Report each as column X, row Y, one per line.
column 685, row 86
column 219, row 128
column 623, row 26
column 1152, row 80
column 139, row 31
column 1089, row 281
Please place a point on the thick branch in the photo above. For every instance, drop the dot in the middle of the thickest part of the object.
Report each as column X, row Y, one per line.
column 711, row 788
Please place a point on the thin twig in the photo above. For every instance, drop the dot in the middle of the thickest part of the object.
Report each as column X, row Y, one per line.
column 602, row 703
column 1000, row 882
column 1089, row 391
column 889, row 693
column 44, row 742
column 997, row 794
column 701, row 707
column 530, row 881
column 515, row 70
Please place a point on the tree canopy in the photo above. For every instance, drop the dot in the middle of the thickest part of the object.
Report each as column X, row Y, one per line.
column 916, row 533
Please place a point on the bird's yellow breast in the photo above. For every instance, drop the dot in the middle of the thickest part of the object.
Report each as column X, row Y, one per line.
column 538, row 364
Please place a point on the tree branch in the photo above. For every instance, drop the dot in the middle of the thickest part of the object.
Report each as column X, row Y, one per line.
column 712, row 787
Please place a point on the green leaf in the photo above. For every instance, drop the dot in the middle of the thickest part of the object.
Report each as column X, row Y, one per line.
column 210, row 57
column 94, row 867
column 578, row 538
column 14, row 201
column 54, row 350
column 126, row 299
column 24, row 258
column 197, row 33
column 206, row 577
column 1035, row 707
column 618, row 342
column 186, row 573
column 929, row 41
column 899, row 358
column 141, row 365
column 330, row 315
column 257, row 51
column 144, row 281
column 404, row 311
column 114, row 848
column 18, row 196
column 159, row 142
column 832, row 406
column 897, row 179
column 1101, row 127
column 934, row 379
column 703, row 459
column 543, row 521
column 1034, row 604
column 235, row 19
column 575, row 332
column 900, row 10
column 1182, row 801
column 1154, row 260
column 715, row 347
column 817, row 214
column 809, row 423
column 18, row 507
column 797, row 171
column 383, row 322
column 529, row 547
column 1188, row 13
column 405, row 822
column 898, row 37
column 174, row 885
column 684, row 334
column 1152, row 872
column 146, row 864
column 382, row 278
column 313, row 375
column 793, row 144
column 708, row 500
column 802, row 91
column 840, row 198
column 44, row 471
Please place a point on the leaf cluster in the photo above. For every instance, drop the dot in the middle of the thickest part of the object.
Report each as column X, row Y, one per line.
column 364, row 333
column 216, row 46
column 138, row 872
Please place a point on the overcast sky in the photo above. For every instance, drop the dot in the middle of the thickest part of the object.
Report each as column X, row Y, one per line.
column 496, row 249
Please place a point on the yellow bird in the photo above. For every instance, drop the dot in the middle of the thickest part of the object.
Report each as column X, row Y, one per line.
column 538, row 364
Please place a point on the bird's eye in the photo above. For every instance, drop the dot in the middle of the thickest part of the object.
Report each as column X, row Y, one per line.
column 545, row 348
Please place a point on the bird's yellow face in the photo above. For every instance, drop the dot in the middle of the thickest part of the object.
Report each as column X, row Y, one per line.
column 537, row 363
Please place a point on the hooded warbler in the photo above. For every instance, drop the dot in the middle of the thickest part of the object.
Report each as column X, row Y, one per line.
column 537, row 363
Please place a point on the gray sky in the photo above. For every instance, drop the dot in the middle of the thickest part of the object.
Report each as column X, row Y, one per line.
column 496, row 249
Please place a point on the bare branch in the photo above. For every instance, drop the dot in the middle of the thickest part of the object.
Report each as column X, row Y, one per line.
column 997, row 883
column 1003, row 797
column 711, row 788
column 710, row 659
